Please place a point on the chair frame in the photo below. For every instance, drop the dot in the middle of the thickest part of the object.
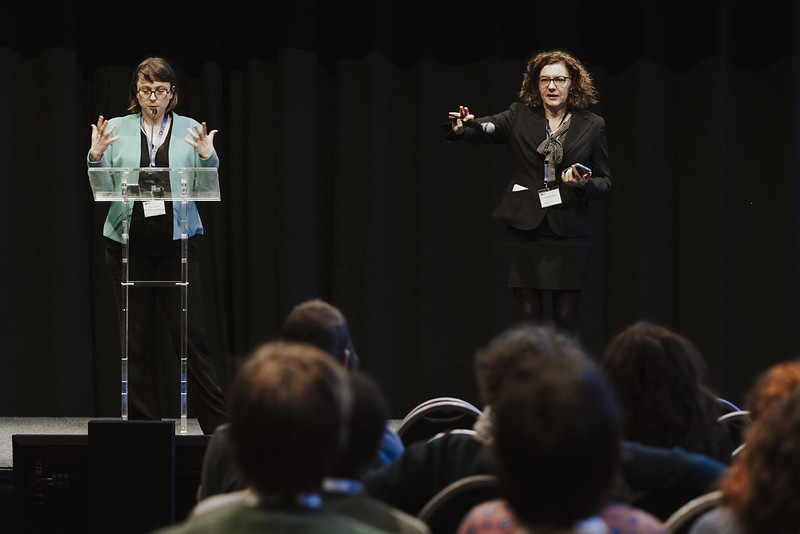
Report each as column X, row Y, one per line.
column 682, row 518
column 430, row 406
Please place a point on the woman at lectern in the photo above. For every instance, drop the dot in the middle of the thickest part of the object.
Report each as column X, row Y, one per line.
column 153, row 135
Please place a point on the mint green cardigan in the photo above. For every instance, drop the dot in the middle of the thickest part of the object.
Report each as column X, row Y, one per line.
column 126, row 152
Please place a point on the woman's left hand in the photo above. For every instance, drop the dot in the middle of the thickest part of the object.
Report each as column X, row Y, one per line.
column 571, row 178
column 202, row 140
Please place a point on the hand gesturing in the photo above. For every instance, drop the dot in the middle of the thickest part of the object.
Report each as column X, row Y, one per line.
column 202, row 140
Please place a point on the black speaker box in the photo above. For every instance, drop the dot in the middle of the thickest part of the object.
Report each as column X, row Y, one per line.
column 61, row 484
column 131, row 476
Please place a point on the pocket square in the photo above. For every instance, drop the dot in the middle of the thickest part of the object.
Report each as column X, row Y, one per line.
column 518, row 187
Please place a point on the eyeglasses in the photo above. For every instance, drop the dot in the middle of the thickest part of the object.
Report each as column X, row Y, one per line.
column 160, row 92
column 544, row 81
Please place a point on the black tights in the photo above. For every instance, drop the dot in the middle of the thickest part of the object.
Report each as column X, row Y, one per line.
column 566, row 305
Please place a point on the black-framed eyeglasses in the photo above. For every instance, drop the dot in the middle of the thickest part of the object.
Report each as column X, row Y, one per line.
column 160, row 92
column 544, row 81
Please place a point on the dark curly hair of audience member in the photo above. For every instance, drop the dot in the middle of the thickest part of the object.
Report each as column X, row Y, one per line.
column 517, row 346
column 659, row 378
column 763, row 487
column 557, row 441
column 582, row 93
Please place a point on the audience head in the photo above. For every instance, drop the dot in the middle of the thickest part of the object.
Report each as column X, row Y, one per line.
column 322, row 325
column 289, row 413
column 556, row 436
column 367, row 424
column 659, row 378
column 515, row 347
column 763, row 484
column 773, row 385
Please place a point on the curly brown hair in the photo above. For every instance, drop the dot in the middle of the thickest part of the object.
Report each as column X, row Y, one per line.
column 762, row 486
column 582, row 91
column 773, row 385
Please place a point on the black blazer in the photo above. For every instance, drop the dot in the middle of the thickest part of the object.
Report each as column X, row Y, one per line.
column 523, row 130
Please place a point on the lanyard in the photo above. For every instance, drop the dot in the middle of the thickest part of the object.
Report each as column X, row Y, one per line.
column 152, row 147
column 547, row 124
column 341, row 486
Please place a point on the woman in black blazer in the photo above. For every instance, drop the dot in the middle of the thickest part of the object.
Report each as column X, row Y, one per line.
column 559, row 157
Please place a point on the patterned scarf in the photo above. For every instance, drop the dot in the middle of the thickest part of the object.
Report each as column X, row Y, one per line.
column 552, row 149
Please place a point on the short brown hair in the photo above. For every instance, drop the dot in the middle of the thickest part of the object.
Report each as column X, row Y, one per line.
column 320, row 324
column 582, row 91
column 289, row 411
column 153, row 69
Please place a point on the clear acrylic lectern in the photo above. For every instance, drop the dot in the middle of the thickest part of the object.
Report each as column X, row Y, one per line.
column 180, row 186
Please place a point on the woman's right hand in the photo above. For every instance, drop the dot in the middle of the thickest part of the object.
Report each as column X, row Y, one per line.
column 461, row 116
column 101, row 139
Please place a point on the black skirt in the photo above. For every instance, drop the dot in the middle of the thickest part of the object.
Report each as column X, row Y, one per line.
column 541, row 259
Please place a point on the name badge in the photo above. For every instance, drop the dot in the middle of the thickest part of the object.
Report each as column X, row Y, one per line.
column 154, row 207
column 549, row 197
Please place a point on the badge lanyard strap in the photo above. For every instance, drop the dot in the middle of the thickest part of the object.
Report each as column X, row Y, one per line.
column 152, row 147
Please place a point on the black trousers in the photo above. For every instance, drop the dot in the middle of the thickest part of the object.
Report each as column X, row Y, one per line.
column 565, row 307
column 204, row 395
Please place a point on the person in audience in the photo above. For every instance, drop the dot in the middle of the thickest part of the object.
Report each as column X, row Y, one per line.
column 771, row 386
column 660, row 480
column 657, row 480
column 289, row 411
column 426, row 467
column 660, row 380
column 343, row 490
column 556, row 450
column 324, row 326
column 762, row 489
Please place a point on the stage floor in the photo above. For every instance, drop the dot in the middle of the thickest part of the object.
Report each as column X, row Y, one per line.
column 54, row 425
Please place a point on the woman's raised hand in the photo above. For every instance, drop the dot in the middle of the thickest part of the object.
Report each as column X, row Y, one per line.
column 202, row 140
column 101, row 138
column 460, row 116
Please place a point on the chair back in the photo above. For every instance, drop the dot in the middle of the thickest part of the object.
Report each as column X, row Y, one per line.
column 735, row 424
column 445, row 510
column 726, row 406
column 435, row 416
column 684, row 517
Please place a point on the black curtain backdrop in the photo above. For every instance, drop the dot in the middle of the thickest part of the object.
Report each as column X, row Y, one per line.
column 338, row 183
